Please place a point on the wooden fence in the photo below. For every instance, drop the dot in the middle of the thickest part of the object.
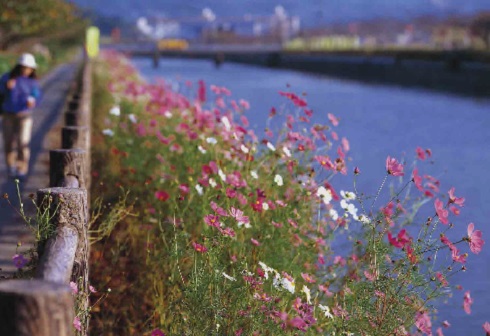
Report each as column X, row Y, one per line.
column 45, row 306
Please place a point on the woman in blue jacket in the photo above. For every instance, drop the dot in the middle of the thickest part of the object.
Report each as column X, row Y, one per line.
column 21, row 93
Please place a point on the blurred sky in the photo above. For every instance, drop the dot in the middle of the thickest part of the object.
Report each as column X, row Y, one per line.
column 312, row 12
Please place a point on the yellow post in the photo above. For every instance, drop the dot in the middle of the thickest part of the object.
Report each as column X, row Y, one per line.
column 92, row 41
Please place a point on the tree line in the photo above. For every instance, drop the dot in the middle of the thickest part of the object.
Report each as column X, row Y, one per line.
column 37, row 19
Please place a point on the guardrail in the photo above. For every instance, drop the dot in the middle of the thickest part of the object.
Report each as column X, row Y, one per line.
column 45, row 306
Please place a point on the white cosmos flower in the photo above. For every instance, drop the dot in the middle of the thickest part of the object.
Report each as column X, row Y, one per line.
column 288, row 285
column 266, row 269
column 115, row 111
column 168, row 114
column 108, row 132
column 364, row 219
column 271, row 146
column 265, row 206
column 211, row 141
column 199, row 189
column 333, row 214
column 228, row 277
column 326, row 310
column 254, row 174
column 325, row 194
column 286, row 151
column 244, row 149
column 278, row 180
column 307, row 292
column 201, row 149
column 226, row 123
column 349, row 208
column 221, row 175
column 353, row 211
column 348, row 195
column 212, row 183
column 283, row 283
column 132, row 118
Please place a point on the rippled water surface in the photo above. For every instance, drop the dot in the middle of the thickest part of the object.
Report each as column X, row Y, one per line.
column 381, row 121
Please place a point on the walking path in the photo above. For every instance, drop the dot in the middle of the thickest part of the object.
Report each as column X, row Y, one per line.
column 46, row 135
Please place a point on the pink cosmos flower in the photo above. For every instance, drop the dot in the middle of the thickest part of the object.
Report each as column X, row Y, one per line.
column 157, row 332
column 77, row 324
column 212, row 220
column 393, row 167
column 401, row 240
column 254, row 242
column 454, row 210
column 475, row 239
column 227, row 232
column 325, row 162
column 442, row 279
column 417, row 179
column 74, row 287
column 245, row 104
column 333, row 119
column 219, row 210
column 486, row 327
column 184, row 188
column 441, row 212
column 230, row 193
column 420, row 153
column 423, row 323
column 439, row 332
column 345, row 144
column 19, row 260
column 325, row 290
column 410, row 254
column 294, row 98
column 453, row 199
column 238, row 215
column 298, row 323
column 370, row 276
column 458, row 257
column 199, row 248
column 92, row 289
column 161, row 195
column 202, row 91
column 467, row 302
column 308, row 278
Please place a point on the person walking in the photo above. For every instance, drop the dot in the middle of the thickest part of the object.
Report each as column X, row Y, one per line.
column 21, row 93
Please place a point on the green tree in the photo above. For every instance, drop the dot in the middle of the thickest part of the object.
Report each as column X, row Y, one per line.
column 20, row 20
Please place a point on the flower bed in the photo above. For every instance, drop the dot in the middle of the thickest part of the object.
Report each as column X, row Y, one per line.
column 221, row 231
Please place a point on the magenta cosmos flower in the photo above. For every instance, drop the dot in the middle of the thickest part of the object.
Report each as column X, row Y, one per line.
column 475, row 239
column 393, row 167
column 199, row 248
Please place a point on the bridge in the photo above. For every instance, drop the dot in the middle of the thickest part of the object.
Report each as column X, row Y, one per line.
column 462, row 72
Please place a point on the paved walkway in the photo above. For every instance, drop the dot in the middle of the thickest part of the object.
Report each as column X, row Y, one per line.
column 46, row 135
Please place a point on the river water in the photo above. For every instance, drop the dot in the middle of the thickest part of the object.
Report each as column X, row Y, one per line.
column 380, row 121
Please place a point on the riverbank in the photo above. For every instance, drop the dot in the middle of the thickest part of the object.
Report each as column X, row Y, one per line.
column 245, row 224
column 378, row 120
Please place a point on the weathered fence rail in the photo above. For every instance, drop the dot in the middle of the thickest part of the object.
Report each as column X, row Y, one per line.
column 45, row 306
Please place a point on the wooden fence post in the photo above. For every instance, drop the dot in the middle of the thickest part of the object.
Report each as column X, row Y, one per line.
column 75, row 118
column 75, row 137
column 35, row 307
column 67, row 168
